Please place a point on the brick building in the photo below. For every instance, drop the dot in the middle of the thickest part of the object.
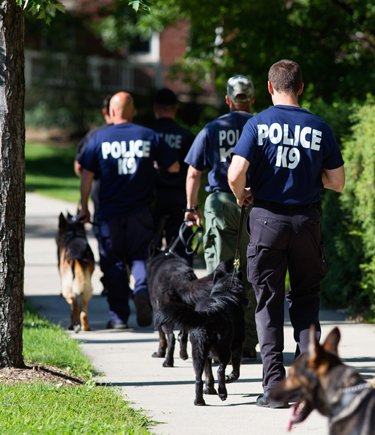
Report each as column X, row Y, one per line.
column 145, row 67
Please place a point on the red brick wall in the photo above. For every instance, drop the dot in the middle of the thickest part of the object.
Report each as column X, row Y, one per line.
column 173, row 42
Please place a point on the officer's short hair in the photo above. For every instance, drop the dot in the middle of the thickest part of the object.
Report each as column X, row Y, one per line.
column 285, row 76
column 165, row 97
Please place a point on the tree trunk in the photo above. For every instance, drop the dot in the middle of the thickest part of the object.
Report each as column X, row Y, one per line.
column 12, row 182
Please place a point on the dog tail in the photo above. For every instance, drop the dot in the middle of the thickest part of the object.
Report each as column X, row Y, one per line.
column 82, row 278
column 176, row 313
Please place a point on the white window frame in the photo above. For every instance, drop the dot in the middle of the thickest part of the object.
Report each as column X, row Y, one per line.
column 152, row 56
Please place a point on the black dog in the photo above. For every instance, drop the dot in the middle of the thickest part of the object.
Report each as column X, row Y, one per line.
column 217, row 330
column 324, row 383
column 171, row 279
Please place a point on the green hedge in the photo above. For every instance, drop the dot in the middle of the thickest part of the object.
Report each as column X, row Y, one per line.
column 358, row 200
column 349, row 218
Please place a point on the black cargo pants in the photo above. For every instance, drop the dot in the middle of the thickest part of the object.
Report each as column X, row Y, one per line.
column 282, row 239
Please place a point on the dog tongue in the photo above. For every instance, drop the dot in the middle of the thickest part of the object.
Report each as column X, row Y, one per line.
column 292, row 415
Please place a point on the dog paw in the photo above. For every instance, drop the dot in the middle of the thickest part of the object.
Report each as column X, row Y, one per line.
column 77, row 328
column 158, row 355
column 199, row 402
column 183, row 355
column 230, row 378
column 209, row 391
column 167, row 364
column 223, row 396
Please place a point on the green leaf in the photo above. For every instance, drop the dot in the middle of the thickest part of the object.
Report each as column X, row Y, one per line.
column 60, row 7
column 138, row 5
column 135, row 5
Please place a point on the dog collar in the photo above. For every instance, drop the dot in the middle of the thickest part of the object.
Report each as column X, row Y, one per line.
column 73, row 235
column 349, row 393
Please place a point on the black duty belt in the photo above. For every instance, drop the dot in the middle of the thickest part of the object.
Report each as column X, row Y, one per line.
column 286, row 206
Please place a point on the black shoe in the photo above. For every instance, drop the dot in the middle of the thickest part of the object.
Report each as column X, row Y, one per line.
column 250, row 354
column 144, row 315
column 264, row 401
column 112, row 325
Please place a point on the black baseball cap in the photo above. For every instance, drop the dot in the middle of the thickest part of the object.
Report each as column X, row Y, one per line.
column 165, row 97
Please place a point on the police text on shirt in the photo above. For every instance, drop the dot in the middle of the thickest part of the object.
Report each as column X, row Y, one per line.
column 173, row 140
column 126, row 153
column 231, row 138
column 288, row 155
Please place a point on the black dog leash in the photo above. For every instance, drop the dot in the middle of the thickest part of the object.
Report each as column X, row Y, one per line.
column 187, row 242
column 236, row 262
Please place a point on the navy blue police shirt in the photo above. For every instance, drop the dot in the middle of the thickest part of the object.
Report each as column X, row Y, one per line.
column 125, row 155
column 180, row 139
column 79, row 151
column 287, row 148
column 213, row 146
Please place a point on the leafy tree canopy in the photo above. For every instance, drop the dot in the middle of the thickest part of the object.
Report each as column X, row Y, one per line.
column 43, row 9
column 46, row 9
column 332, row 40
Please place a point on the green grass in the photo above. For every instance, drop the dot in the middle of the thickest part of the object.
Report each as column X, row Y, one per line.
column 49, row 410
column 52, row 408
column 48, row 344
column 49, row 171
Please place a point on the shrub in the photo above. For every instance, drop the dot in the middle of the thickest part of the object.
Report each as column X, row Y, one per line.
column 358, row 198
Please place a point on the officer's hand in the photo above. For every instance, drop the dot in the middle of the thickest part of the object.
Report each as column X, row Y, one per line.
column 84, row 215
column 193, row 218
column 246, row 198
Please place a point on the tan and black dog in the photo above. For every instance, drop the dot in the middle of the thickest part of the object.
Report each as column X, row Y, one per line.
column 76, row 266
column 323, row 382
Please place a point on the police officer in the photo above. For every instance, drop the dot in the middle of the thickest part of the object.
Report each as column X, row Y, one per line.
column 124, row 154
column 96, row 183
column 211, row 149
column 290, row 155
column 170, row 188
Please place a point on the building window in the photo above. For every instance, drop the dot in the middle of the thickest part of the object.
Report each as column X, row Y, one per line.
column 145, row 50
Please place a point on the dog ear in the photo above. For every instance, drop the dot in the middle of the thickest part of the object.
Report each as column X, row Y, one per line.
column 151, row 249
column 331, row 342
column 317, row 355
column 227, row 265
column 218, row 274
column 62, row 221
column 314, row 345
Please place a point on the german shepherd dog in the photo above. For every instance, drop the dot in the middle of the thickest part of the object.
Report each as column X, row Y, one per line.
column 323, row 382
column 171, row 279
column 76, row 266
column 217, row 330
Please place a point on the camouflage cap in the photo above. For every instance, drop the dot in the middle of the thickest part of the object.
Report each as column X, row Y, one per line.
column 240, row 89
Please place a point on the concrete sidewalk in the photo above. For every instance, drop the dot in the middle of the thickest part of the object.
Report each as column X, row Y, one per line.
column 167, row 394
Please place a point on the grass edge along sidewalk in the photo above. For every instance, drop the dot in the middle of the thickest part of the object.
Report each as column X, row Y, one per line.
column 31, row 406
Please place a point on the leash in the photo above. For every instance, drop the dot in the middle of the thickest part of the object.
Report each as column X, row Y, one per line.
column 187, row 242
column 76, row 220
column 236, row 262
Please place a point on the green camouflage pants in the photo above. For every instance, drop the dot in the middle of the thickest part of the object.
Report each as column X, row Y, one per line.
column 222, row 216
